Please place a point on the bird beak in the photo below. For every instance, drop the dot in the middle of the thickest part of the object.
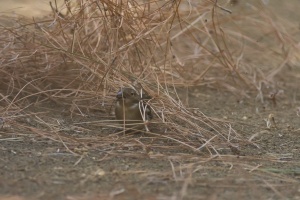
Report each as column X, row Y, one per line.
column 120, row 94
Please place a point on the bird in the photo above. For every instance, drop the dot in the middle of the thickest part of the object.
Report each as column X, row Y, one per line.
column 131, row 111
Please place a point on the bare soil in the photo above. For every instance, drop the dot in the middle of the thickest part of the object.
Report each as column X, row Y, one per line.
column 35, row 166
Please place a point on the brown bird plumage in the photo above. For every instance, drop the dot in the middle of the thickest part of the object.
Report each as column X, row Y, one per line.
column 130, row 110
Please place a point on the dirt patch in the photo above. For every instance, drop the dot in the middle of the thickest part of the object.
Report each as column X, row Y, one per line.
column 28, row 8
column 139, row 167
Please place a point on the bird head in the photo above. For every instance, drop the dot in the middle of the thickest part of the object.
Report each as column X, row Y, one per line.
column 128, row 95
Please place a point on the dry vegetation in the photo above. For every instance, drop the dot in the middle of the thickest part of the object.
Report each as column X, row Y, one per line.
column 81, row 58
column 78, row 57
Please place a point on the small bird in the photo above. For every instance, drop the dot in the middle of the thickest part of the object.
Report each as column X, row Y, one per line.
column 130, row 110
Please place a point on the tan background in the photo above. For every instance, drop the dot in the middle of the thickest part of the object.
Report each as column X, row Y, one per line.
column 29, row 8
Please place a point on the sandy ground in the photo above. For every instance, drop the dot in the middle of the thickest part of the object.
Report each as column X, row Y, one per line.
column 29, row 8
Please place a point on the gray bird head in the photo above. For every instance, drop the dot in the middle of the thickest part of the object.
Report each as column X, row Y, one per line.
column 127, row 93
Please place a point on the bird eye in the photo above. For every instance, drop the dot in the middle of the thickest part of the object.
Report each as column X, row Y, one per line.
column 132, row 93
